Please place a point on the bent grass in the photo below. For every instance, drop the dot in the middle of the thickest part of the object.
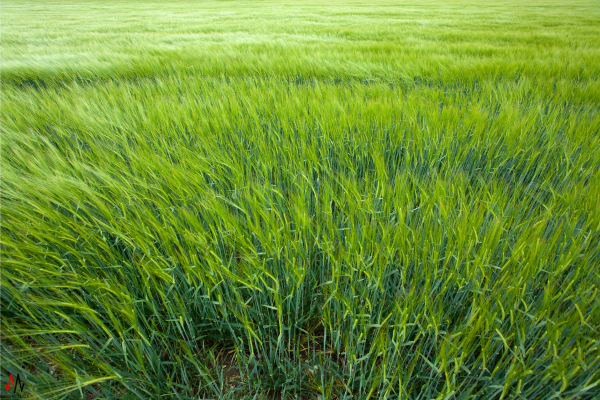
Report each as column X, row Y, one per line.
column 330, row 201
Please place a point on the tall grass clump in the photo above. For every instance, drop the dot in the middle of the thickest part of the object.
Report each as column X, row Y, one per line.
column 301, row 200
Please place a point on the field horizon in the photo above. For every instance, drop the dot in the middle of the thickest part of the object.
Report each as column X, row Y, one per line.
column 300, row 200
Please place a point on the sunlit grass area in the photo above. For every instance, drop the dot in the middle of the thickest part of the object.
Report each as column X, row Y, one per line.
column 297, row 200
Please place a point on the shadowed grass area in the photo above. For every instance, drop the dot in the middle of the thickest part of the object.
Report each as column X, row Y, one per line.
column 301, row 200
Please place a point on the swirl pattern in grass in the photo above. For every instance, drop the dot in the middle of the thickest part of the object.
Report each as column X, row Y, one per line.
column 379, row 200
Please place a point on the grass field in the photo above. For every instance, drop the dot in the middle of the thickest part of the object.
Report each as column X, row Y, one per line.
column 301, row 200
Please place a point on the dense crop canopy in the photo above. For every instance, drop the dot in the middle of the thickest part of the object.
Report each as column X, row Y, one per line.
column 307, row 200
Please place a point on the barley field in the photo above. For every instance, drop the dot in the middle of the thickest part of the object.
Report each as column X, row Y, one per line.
column 300, row 200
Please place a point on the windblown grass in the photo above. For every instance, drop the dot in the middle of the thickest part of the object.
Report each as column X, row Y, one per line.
column 301, row 200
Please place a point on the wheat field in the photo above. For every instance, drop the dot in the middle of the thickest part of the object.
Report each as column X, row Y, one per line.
column 301, row 200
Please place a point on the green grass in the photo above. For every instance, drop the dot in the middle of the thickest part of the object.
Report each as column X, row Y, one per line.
column 384, row 200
